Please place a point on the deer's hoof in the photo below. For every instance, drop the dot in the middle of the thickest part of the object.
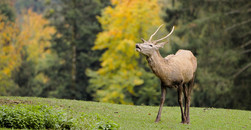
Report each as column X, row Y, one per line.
column 184, row 122
column 157, row 120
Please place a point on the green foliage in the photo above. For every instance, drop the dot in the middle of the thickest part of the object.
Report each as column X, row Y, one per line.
column 33, row 117
column 7, row 11
column 149, row 92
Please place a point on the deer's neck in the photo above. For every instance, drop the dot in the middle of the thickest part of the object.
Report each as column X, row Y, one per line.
column 156, row 63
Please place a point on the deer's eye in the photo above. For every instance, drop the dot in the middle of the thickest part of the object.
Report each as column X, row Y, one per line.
column 151, row 45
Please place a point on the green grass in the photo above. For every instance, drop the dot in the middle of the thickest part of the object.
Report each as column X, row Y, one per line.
column 142, row 117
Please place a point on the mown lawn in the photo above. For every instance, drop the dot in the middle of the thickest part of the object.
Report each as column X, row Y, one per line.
column 142, row 117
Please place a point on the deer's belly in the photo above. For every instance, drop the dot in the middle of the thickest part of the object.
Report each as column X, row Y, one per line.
column 174, row 80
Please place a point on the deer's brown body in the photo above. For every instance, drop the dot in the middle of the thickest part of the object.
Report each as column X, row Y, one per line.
column 174, row 71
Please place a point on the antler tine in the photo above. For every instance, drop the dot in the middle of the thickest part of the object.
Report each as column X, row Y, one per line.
column 165, row 36
column 154, row 33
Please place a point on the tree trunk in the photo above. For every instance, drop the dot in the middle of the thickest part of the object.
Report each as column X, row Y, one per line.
column 74, row 56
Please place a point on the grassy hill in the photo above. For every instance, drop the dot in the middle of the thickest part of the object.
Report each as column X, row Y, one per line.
column 142, row 117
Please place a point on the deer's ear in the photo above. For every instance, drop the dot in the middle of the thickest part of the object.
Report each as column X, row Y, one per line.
column 161, row 45
column 143, row 40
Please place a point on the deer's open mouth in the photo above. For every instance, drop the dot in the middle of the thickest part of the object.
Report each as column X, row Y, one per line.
column 138, row 48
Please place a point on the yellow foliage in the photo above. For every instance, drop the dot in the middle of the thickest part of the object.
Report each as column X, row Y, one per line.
column 9, row 54
column 32, row 33
column 36, row 34
column 42, row 78
column 123, row 24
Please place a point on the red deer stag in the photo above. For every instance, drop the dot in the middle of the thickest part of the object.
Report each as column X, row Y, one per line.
column 174, row 71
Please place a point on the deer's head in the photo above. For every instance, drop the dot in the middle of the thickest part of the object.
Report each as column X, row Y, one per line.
column 147, row 48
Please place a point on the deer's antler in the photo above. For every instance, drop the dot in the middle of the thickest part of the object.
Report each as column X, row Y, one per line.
column 155, row 33
column 165, row 36
column 155, row 42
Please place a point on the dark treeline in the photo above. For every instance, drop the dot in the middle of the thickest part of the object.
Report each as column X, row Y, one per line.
column 217, row 32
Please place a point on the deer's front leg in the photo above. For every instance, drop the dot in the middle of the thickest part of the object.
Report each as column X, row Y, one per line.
column 162, row 100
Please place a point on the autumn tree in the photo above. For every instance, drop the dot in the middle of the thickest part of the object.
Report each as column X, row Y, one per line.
column 124, row 23
column 35, row 33
column 24, row 51
column 9, row 54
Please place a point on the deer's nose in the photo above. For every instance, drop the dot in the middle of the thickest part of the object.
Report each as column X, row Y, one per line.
column 137, row 45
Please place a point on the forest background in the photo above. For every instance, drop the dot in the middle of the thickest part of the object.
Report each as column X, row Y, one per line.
column 85, row 49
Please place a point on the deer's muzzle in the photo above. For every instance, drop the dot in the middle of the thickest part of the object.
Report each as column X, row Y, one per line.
column 138, row 48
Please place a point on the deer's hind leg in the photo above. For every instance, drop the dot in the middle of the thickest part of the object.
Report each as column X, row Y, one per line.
column 188, row 89
column 185, row 91
column 179, row 90
column 186, row 96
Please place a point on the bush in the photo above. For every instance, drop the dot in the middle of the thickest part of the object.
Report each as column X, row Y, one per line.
column 34, row 117
column 23, row 116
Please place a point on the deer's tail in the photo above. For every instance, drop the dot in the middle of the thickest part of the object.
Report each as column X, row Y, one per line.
column 191, row 84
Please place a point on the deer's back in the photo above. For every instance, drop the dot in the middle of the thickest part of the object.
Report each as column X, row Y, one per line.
column 181, row 66
column 188, row 57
